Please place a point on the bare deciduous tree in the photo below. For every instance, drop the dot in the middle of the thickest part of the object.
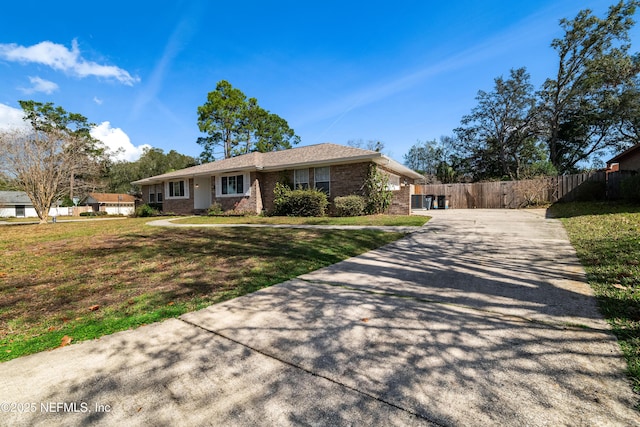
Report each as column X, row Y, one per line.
column 44, row 161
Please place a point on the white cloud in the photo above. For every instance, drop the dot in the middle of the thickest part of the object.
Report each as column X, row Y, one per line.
column 117, row 142
column 11, row 118
column 60, row 58
column 97, row 100
column 40, row 85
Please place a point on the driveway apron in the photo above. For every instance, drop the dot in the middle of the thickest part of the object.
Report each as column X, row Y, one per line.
column 482, row 317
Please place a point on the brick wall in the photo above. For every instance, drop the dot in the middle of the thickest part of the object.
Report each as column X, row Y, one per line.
column 401, row 201
column 268, row 182
column 180, row 206
column 348, row 179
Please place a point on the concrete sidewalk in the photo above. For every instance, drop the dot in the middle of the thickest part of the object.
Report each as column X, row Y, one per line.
column 480, row 318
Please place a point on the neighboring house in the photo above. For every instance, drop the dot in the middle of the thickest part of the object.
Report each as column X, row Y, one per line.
column 17, row 204
column 112, row 204
column 246, row 183
column 628, row 160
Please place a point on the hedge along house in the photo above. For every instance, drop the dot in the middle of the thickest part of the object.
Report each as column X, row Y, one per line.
column 246, row 183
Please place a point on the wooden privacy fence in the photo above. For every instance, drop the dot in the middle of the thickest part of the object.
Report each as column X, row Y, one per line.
column 516, row 194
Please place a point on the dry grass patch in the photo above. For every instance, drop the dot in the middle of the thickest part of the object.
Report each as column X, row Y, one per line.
column 87, row 279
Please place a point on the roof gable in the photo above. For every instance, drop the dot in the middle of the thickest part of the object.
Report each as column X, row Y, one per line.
column 633, row 151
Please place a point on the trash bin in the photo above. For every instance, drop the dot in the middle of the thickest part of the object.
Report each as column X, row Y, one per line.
column 441, row 202
column 427, row 202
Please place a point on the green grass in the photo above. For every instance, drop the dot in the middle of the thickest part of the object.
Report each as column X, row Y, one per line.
column 606, row 237
column 91, row 278
column 370, row 220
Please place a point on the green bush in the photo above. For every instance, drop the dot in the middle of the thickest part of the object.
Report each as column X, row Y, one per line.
column 145, row 211
column 215, row 209
column 302, row 202
column 91, row 213
column 353, row 205
column 630, row 188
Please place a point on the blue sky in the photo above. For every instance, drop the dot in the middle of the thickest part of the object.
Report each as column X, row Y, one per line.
column 399, row 72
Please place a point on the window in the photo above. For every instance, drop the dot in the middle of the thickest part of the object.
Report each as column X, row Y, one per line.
column 322, row 177
column 233, row 184
column 159, row 197
column 152, row 197
column 394, row 182
column 301, row 178
column 175, row 190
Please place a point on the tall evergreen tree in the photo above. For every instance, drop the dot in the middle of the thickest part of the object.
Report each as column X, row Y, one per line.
column 239, row 125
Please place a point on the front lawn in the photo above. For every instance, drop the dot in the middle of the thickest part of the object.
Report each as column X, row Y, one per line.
column 81, row 280
column 607, row 240
column 369, row 220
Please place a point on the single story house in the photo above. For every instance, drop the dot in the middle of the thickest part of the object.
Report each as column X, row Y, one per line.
column 17, row 204
column 628, row 160
column 246, row 183
column 111, row 203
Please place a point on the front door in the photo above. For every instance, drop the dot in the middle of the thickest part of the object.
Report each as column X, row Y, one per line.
column 202, row 192
column 20, row 211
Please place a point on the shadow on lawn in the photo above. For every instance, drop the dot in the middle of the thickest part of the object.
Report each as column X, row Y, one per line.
column 573, row 209
column 182, row 263
column 430, row 330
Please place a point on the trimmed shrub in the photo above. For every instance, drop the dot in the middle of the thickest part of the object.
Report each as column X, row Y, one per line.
column 91, row 213
column 353, row 205
column 630, row 188
column 145, row 211
column 302, row 202
column 215, row 209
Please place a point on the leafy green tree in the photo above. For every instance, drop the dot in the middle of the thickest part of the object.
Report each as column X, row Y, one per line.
column 500, row 134
column 53, row 157
column 580, row 106
column 424, row 157
column 628, row 110
column 436, row 160
column 6, row 184
column 239, row 125
column 153, row 162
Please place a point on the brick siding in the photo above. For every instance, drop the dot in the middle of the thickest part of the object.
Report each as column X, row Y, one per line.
column 345, row 180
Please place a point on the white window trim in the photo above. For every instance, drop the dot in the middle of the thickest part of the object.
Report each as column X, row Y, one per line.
column 246, row 190
column 186, row 190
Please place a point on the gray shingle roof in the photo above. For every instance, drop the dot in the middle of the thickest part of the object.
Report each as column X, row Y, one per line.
column 319, row 154
column 14, row 198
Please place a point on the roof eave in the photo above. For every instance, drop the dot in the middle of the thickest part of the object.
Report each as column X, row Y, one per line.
column 398, row 167
column 325, row 162
column 624, row 154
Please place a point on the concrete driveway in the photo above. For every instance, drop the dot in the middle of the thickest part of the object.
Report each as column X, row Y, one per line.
column 482, row 317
